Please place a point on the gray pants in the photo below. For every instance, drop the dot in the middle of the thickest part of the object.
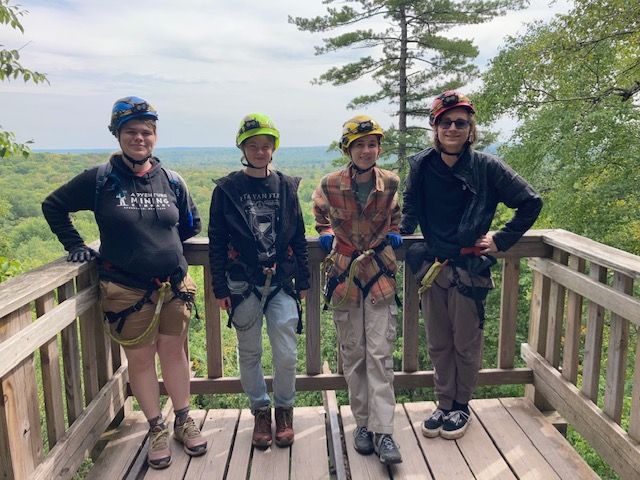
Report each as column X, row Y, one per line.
column 454, row 339
column 367, row 334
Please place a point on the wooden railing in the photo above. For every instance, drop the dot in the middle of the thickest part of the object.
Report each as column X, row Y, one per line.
column 62, row 382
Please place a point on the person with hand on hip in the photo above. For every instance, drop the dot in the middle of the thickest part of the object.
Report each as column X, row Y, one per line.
column 452, row 191
column 144, row 213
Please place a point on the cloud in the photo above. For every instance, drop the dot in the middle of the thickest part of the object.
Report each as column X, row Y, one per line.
column 203, row 65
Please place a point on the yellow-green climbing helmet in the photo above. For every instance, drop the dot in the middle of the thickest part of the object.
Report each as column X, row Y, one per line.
column 257, row 124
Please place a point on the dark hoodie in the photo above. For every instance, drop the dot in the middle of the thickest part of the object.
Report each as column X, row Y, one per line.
column 142, row 222
column 228, row 228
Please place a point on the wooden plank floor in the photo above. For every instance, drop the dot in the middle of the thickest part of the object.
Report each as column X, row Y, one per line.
column 507, row 439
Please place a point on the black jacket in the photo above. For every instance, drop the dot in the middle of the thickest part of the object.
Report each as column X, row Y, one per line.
column 490, row 181
column 142, row 222
column 228, row 230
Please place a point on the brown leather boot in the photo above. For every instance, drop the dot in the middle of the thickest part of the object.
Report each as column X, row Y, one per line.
column 284, row 426
column 262, row 428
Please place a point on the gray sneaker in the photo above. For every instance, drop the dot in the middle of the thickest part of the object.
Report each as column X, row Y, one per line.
column 387, row 449
column 363, row 441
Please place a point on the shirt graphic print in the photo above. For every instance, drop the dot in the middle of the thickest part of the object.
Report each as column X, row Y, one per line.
column 260, row 205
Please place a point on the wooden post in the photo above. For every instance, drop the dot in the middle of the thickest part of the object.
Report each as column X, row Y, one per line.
column 313, row 309
column 21, row 448
column 573, row 328
column 593, row 340
column 213, row 328
column 411, row 323
column 71, row 360
column 617, row 354
column 508, row 312
column 51, row 378
column 556, row 313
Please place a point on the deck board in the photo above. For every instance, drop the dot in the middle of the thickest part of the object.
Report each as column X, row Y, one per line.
column 311, row 438
column 507, row 439
column 435, row 449
column 521, row 454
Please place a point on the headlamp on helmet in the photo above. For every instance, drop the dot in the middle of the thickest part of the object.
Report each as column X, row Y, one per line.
column 358, row 127
column 128, row 108
column 257, row 124
column 446, row 101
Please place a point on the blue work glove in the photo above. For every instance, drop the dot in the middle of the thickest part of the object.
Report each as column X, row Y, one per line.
column 326, row 241
column 394, row 240
column 82, row 254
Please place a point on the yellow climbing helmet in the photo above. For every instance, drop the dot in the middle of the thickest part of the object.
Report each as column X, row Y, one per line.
column 357, row 127
column 257, row 124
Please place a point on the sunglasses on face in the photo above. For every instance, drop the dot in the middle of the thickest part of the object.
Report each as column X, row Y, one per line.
column 460, row 124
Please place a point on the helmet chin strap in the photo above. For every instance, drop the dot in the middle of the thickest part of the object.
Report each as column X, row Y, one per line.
column 457, row 154
column 359, row 170
column 134, row 161
column 248, row 164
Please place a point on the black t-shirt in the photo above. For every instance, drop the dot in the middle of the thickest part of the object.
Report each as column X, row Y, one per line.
column 260, row 200
column 445, row 197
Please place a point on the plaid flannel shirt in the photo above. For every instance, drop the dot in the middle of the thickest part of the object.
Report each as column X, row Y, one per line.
column 337, row 211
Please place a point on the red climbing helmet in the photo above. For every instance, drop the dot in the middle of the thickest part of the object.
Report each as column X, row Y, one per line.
column 446, row 101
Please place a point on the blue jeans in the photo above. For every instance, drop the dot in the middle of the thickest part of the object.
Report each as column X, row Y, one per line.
column 281, row 318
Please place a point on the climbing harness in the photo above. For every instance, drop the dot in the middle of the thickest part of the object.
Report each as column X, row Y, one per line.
column 350, row 281
column 120, row 317
column 264, row 297
column 477, row 293
column 430, row 276
column 349, row 275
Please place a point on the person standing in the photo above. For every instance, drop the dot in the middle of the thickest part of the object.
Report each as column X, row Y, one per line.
column 357, row 215
column 259, row 266
column 144, row 212
column 452, row 191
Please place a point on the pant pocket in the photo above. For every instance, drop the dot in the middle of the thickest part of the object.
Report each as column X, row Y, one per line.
column 343, row 326
column 392, row 329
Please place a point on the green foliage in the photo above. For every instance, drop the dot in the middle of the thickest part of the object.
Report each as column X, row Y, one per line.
column 10, row 268
column 411, row 56
column 574, row 86
column 11, row 69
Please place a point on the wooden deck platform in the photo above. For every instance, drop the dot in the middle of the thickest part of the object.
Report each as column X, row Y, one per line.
column 507, row 439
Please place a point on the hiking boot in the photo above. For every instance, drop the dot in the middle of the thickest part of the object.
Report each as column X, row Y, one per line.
column 387, row 449
column 284, row 426
column 455, row 424
column 262, row 428
column 159, row 452
column 432, row 426
column 363, row 441
column 188, row 434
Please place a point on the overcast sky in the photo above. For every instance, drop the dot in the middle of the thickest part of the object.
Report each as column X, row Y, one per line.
column 203, row 64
